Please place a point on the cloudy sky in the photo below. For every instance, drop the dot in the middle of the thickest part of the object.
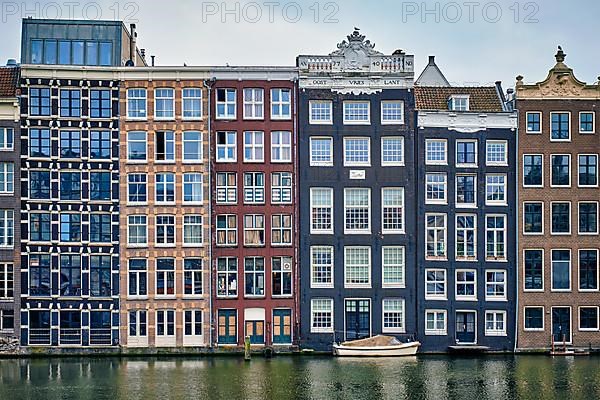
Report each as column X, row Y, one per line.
column 475, row 42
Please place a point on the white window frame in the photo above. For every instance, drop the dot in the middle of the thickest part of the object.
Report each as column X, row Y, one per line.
column 165, row 191
column 489, row 185
column 329, row 206
column 453, row 102
column 569, row 124
column 436, row 313
column 597, row 319
column 282, row 229
column 313, row 265
column 428, row 161
column 368, row 266
column 226, row 103
column 465, row 205
column 457, row 282
column 145, row 160
column 281, row 103
column 348, row 163
column 165, row 273
column 570, row 219
column 398, row 121
column 543, row 270
column 166, row 99
column 597, row 169
column 129, row 225
column 193, row 99
column 401, row 266
column 475, row 163
column 543, row 319
column 161, row 339
column 502, row 258
column 254, row 193
column 311, row 118
column 495, row 321
column 254, row 146
column 166, row 243
column 523, row 170
column 329, row 310
column 226, row 147
column 527, row 124
column 285, row 149
column 444, row 183
column 569, row 289
column 199, row 143
column 444, row 237
column 402, row 312
column 281, row 193
column 7, row 234
column 463, row 257
column 227, row 189
column 314, row 163
column 226, row 230
column 399, row 163
column 192, row 225
column 367, row 207
column 443, row 296
column 597, row 218
column 145, row 98
column 7, row 284
column 597, row 251
column 137, row 273
column 5, row 134
column 166, row 141
column 570, row 170
column 489, row 143
column 543, row 219
column 593, row 131
column 250, row 99
column 194, row 183
column 392, row 207
column 356, row 122
column 494, row 283
column 256, row 227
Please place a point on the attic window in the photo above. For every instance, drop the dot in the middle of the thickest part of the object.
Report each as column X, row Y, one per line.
column 458, row 103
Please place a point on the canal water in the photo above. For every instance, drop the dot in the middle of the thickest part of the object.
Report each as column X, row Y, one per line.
column 431, row 377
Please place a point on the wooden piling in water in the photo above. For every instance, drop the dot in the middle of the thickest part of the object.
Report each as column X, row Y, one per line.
column 247, row 353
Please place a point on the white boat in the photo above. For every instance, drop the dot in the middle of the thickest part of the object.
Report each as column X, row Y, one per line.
column 376, row 346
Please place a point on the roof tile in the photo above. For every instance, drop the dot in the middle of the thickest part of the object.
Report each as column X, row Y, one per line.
column 9, row 77
column 481, row 99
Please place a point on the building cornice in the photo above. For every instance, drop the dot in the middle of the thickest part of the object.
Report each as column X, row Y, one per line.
column 469, row 122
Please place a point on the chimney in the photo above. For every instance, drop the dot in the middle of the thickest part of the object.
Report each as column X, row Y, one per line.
column 431, row 60
column 143, row 53
column 152, row 57
column 11, row 62
column 133, row 44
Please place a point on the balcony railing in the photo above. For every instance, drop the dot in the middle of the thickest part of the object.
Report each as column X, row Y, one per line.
column 39, row 336
column 100, row 337
column 70, row 336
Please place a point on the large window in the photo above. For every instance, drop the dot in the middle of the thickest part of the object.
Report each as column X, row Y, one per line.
column 7, row 228
column 588, row 218
column 321, row 151
column 392, row 205
column 281, row 268
column 588, row 270
column 100, row 228
column 70, row 275
column 70, row 144
column 70, row 227
column 561, row 270
column 495, row 323
column 254, row 102
column 254, row 188
column 561, row 126
column 533, row 174
column 435, row 322
column 534, row 122
column 39, row 274
column 39, row 183
column 392, row 151
column 321, row 210
column 587, row 122
column 435, row 284
column 165, row 230
column 466, row 237
column 7, row 320
column 70, row 185
column 100, row 145
column 165, row 188
column 136, row 103
column 533, row 218
column 357, row 266
column 534, row 318
column 226, row 230
column 7, row 138
column 436, row 151
column 254, row 276
column 100, row 276
column 192, row 147
column 321, row 315
column 227, row 277
column 436, row 188
column 392, row 112
column 466, row 284
column 320, row 112
column 561, row 218
column 165, row 323
column 357, row 151
column 226, row 103
column 39, row 102
column 137, row 188
column 254, row 146
column 192, row 277
column 465, row 190
column 226, row 188
column 495, row 189
column 393, row 315
column 533, row 269
column 70, row 103
column 164, row 103
column 392, row 266
column 165, row 277
column 192, row 188
column 561, row 170
column 136, row 146
column 321, row 266
column 281, row 104
column 192, row 230
column 39, row 227
column 357, row 112
column 281, row 188
column 496, row 152
column 435, row 236
column 588, row 318
column 466, row 153
column 495, row 237
column 281, row 146
column 226, row 146
column 588, row 170
column 137, row 277
column 254, row 230
column 137, row 226
column 495, row 285
column 281, row 230
column 39, row 143
column 164, row 146
column 357, row 209
column 100, row 103
column 7, row 281
column 191, row 103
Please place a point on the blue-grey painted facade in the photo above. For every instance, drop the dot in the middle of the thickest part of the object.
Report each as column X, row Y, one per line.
column 467, row 323
column 352, row 82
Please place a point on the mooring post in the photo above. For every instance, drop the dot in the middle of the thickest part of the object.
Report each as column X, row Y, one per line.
column 247, row 353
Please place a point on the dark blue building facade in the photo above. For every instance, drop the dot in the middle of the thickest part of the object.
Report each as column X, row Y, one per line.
column 357, row 204
column 466, row 224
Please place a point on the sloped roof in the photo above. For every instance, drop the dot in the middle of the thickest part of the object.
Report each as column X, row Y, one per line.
column 481, row 99
column 9, row 77
column 432, row 75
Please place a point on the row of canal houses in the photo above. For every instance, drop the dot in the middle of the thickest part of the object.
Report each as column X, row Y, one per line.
column 191, row 207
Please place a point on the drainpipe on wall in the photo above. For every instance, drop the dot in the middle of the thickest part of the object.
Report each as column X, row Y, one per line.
column 208, row 85
column 297, row 214
column 517, row 169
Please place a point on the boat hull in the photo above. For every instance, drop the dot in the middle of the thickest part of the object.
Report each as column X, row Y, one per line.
column 404, row 349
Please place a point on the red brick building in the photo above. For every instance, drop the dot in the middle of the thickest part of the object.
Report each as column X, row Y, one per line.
column 254, row 206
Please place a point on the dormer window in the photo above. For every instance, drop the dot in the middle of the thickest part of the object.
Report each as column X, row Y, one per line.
column 458, row 103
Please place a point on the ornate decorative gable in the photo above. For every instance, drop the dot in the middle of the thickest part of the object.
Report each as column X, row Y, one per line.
column 356, row 51
column 560, row 83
